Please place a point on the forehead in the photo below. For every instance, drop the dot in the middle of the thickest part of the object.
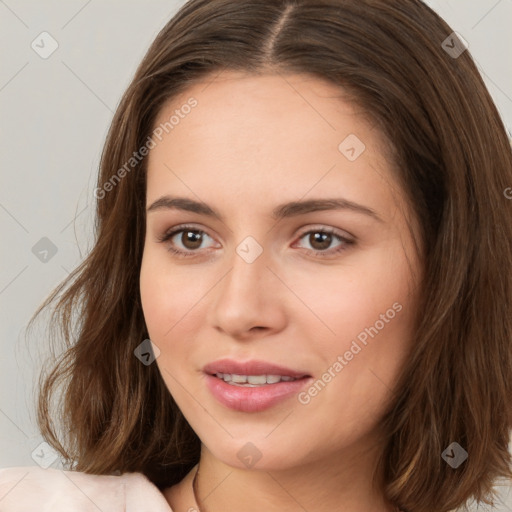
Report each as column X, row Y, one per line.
column 276, row 119
column 250, row 99
column 278, row 137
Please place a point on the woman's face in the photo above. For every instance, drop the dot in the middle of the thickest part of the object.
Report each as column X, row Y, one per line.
column 295, row 260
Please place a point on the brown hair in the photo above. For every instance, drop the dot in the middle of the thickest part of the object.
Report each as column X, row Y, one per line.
column 454, row 162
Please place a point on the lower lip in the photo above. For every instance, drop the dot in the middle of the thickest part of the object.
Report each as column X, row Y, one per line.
column 246, row 399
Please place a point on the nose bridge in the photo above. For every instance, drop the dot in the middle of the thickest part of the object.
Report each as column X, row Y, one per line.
column 248, row 294
column 248, row 268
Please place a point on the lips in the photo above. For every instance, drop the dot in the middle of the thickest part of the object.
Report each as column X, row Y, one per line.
column 240, row 391
column 229, row 366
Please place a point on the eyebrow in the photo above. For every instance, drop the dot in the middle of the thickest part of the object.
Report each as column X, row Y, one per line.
column 285, row 210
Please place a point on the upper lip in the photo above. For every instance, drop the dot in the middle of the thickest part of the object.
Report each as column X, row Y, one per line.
column 254, row 367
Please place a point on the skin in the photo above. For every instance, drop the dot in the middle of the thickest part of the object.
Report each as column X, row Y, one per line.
column 252, row 143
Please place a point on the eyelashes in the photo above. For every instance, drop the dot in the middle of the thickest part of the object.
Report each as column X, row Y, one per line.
column 196, row 235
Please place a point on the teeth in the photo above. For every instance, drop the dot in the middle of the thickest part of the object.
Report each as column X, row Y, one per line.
column 253, row 380
column 257, row 379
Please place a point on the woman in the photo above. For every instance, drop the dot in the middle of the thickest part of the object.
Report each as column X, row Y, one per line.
column 300, row 296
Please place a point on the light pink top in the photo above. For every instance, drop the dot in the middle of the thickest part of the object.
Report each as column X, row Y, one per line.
column 31, row 489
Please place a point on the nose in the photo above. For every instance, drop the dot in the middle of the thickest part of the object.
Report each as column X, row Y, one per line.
column 249, row 301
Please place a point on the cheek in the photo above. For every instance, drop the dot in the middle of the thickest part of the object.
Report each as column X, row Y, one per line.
column 372, row 315
column 168, row 300
column 367, row 314
column 168, row 294
column 351, row 298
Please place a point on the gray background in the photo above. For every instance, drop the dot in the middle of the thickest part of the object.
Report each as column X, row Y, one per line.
column 55, row 114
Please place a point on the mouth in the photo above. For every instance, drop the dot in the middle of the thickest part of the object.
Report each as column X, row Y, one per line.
column 252, row 381
column 252, row 372
column 253, row 386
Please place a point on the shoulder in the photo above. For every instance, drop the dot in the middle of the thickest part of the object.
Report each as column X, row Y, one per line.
column 24, row 489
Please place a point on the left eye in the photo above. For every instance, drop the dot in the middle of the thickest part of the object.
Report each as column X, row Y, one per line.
column 321, row 239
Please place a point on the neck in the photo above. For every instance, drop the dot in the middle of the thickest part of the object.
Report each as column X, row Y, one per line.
column 343, row 483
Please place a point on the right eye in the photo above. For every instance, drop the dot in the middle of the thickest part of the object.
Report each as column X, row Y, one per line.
column 184, row 241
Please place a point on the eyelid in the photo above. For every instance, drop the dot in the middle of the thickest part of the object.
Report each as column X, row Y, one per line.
column 169, row 233
column 328, row 229
column 305, row 230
